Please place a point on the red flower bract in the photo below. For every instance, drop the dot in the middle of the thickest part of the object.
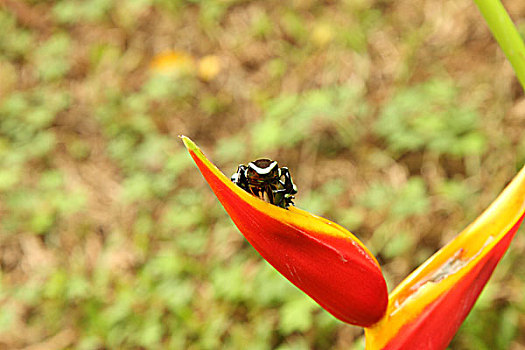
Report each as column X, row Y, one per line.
column 318, row 256
column 438, row 323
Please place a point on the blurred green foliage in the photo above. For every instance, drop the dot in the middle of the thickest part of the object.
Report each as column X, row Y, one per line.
column 430, row 116
column 289, row 120
column 109, row 238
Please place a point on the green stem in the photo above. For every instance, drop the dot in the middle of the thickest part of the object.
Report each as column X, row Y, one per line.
column 505, row 33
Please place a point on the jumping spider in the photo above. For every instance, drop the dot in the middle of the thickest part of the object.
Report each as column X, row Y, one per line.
column 264, row 179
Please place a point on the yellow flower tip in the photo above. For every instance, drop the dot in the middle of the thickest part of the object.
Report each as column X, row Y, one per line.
column 209, row 67
column 190, row 145
column 192, row 148
column 187, row 141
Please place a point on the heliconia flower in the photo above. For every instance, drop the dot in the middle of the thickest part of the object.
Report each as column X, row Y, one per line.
column 427, row 308
column 335, row 269
column 318, row 256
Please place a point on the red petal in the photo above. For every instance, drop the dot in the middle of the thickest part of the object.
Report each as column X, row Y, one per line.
column 439, row 321
column 321, row 258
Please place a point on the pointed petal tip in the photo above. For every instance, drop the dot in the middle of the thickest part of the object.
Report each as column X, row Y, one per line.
column 190, row 145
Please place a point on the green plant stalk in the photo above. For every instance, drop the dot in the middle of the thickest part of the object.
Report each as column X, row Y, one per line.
column 505, row 33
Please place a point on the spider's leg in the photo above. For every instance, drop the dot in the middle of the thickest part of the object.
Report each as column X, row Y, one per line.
column 290, row 187
column 270, row 194
column 239, row 177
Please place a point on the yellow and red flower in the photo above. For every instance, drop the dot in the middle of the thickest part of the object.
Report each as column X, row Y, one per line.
column 333, row 267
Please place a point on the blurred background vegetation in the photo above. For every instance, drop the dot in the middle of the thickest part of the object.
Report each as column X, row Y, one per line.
column 401, row 120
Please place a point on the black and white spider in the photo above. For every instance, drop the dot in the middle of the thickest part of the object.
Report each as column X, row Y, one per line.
column 264, row 179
